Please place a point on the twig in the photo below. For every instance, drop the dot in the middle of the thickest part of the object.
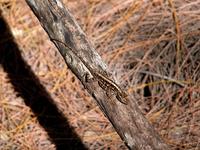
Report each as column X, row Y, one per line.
column 178, row 33
column 164, row 77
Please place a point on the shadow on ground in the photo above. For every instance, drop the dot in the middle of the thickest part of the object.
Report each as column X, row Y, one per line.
column 28, row 86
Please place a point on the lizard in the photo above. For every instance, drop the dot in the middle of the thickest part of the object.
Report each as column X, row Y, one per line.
column 104, row 81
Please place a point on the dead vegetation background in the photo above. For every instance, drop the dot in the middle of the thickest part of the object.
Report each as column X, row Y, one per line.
column 152, row 47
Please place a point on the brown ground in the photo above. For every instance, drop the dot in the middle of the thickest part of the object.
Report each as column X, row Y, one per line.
column 151, row 46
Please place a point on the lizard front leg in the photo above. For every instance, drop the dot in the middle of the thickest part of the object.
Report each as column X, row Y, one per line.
column 88, row 78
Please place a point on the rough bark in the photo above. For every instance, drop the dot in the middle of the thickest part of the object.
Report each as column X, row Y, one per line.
column 127, row 120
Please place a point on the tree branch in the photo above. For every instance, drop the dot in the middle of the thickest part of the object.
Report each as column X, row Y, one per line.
column 82, row 59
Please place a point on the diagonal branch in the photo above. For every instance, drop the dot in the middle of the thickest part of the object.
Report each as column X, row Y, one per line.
column 83, row 60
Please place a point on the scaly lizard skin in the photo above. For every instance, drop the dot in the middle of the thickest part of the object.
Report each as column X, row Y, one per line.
column 103, row 80
column 110, row 87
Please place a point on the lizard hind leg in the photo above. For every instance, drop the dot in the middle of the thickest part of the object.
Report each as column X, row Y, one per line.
column 110, row 94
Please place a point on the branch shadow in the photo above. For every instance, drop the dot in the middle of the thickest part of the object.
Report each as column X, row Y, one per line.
column 28, row 86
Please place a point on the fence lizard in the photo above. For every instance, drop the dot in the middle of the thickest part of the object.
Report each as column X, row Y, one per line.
column 102, row 78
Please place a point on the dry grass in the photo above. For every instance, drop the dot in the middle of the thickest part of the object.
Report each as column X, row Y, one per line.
column 153, row 49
